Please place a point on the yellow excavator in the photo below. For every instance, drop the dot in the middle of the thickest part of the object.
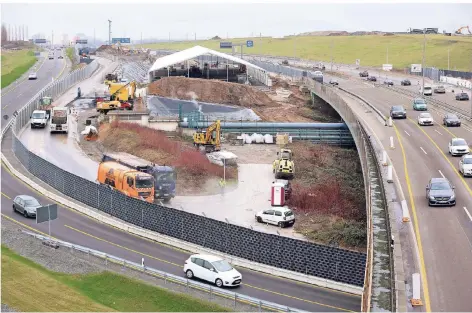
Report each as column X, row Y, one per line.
column 210, row 138
column 459, row 31
column 120, row 98
column 284, row 166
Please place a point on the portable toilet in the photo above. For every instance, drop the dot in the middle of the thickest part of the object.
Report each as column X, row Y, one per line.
column 277, row 194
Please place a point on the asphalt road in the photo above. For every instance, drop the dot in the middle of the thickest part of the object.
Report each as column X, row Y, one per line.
column 445, row 232
column 24, row 91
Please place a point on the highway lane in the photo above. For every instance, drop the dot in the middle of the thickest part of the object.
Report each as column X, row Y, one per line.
column 76, row 228
column 21, row 94
column 446, row 233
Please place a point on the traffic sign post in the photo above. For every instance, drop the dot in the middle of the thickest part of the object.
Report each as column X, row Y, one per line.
column 81, row 41
column 46, row 213
column 121, row 40
column 249, row 43
column 226, row 45
column 40, row 41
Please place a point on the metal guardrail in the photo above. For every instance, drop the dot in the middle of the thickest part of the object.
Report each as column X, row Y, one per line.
column 261, row 304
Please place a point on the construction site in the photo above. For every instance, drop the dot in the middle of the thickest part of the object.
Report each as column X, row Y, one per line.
column 247, row 141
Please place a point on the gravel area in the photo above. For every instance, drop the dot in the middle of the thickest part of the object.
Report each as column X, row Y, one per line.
column 74, row 262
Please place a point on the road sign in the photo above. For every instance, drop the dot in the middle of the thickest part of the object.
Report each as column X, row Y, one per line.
column 226, row 45
column 46, row 213
column 416, row 68
column 81, row 41
column 387, row 67
column 358, row 62
column 121, row 40
column 249, row 43
column 40, row 41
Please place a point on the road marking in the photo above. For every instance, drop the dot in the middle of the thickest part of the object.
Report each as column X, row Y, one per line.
column 423, row 150
column 424, row 279
column 441, row 174
column 179, row 265
column 6, row 196
column 437, row 132
column 407, row 133
column 468, row 214
column 26, row 226
column 452, row 134
column 5, row 106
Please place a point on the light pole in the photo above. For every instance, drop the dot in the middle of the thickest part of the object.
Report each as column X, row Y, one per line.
column 448, row 58
column 422, row 62
column 331, row 55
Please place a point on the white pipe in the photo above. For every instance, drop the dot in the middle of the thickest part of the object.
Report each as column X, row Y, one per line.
column 384, row 158
column 416, row 281
column 390, row 122
column 405, row 212
column 390, row 174
column 392, row 145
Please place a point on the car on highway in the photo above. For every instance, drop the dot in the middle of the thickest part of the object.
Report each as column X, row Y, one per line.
column 451, row 120
column 419, row 104
column 33, row 76
column 405, row 82
column 397, row 111
column 39, row 119
column 213, row 269
column 51, row 56
column 458, row 146
column 462, row 96
column 465, row 165
column 26, row 205
column 388, row 82
column 280, row 216
column 364, row 74
column 372, row 78
column 425, row 119
column 439, row 89
column 439, row 191
column 427, row 91
column 333, row 82
column 60, row 56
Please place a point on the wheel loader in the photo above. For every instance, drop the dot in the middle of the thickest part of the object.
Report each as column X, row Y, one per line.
column 284, row 166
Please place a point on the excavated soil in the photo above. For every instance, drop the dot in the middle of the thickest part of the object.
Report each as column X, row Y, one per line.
column 212, row 91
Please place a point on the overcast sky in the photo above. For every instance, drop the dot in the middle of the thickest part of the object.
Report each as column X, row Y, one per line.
column 235, row 20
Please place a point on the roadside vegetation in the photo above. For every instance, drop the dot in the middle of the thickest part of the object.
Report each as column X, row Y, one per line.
column 70, row 54
column 403, row 50
column 29, row 287
column 15, row 63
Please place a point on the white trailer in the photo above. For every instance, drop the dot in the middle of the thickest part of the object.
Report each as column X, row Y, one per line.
column 59, row 120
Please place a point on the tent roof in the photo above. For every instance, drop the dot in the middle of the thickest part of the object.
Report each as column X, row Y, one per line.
column 194, row 52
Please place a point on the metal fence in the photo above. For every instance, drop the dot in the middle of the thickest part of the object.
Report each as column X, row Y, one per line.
column 171, row 278
column 435, row 73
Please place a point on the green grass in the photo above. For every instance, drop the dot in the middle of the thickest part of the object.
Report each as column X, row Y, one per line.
column 371, row 50
column 70, row 54
column 27, row 286
column 15, row 63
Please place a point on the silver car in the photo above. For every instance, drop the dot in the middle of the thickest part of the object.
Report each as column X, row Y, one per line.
column 465, row 165
column 439, row 89
column 26, row 205
column 33, row 76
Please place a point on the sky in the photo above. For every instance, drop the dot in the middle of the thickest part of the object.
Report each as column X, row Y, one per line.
column 183, row 20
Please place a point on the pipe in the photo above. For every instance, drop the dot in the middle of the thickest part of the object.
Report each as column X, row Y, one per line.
column 259, row 125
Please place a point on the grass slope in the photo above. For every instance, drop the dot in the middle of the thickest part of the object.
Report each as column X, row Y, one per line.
column 403, row 50
column 28, row 287
column 15, row 63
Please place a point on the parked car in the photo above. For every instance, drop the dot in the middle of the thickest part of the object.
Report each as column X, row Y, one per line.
column 60, row 56
column 388, row 82
column 419, row 104
column 451, row 120
column 462, row 96
column 397, row 111
column 26, row 205
column 439, row 191
column 333, row 82
column 425, row 119
column 364, row 74
column 465, row 165
column 439, row 89
column 458, row 146
column 405, row 82
column 372, row 78
column 280, row 216
column 32, row 76
column 212, row 269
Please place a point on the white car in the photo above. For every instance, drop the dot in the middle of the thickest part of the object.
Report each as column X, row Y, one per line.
column 465, row 165
column 458, row 146
column 212, row 269
column 33, row 76
column 280, row 216
column 428, row 91
column 39, row 119
column 425, row 119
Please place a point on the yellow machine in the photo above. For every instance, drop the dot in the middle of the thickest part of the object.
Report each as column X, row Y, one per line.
column 210, row 138
column 459, row 31
column 284, row 166
column 121, row 97
column 110, row 78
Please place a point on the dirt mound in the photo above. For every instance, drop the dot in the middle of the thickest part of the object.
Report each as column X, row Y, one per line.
column 211, row 91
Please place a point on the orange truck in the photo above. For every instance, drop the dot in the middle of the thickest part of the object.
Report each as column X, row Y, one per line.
column 132, row 183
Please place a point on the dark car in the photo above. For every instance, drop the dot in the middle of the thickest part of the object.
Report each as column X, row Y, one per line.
column 405, row 82
column 439, row 191
column 60, row 56
column 397, row 111
column 451, row 120
column 462, row 96
column 372, row 78
column 388, row 82
column 26, row 205
column 333, row 82
column 364, row 74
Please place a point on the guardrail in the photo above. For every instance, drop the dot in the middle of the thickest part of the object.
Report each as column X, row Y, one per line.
column 167, row 277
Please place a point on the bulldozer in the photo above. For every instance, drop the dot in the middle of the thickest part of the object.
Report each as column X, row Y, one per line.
column 210, row 138
column 284, row 166
column 120, row 98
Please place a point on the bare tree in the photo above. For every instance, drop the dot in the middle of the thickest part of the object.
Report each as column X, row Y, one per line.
column 4, row 34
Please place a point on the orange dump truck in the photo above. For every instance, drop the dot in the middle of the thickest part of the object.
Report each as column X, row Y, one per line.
column 132, row 183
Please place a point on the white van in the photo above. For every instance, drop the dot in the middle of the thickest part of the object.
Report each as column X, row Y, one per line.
column 428, row 90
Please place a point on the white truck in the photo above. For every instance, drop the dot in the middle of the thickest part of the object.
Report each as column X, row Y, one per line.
column 428, row 90
column 59, row 120
column 39, row 119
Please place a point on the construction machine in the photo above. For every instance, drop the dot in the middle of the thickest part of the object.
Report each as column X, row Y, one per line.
column 45, row 104
column 210, row 137
column 459, row 31
column 120, row 98
column 110, row 78
column 284, row 166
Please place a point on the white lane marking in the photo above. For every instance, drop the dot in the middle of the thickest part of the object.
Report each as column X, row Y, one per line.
column 441, row 174
column 437, row 132
column 423, row 150
column 468, row 214
column 5, row 106
column 407, row 133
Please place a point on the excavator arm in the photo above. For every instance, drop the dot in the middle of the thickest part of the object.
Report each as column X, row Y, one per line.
column 215, row 127
column 459, row 31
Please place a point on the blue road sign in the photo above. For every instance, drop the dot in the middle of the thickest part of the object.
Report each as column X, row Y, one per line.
column 40, row 40
column 249, row 43
column 121, row 40
column 226, row 45
column 81, row 41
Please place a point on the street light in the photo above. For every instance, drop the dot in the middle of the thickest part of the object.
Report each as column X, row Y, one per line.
column 422, row 62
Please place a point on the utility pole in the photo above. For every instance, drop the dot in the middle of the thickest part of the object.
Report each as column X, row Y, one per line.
column 169, row 36
column 94, row 36
column 109, row 32
column 195, row 36
column 52, row 38
column 27, row 32
column 331, row 55
column 387, row 55
column 448, row 58
column 141, row 37
column 422, row 63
